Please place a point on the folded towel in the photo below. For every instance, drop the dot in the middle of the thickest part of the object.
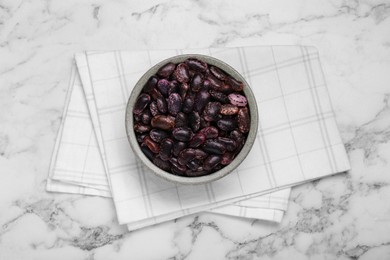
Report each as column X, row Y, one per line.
column 297, row 140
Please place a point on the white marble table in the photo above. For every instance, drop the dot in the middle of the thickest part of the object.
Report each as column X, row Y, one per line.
column 342, row 217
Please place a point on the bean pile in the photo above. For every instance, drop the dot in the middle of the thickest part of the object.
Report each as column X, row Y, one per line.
column 191, row 118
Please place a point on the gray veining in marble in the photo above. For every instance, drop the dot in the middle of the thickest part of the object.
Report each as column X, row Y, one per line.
column 341, row 217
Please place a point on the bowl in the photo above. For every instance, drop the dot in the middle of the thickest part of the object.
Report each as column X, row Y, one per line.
column 201, row 179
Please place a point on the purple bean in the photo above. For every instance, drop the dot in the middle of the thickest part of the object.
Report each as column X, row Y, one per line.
column 196, row 83
column 174, row 104
column 154, row 109
column 158, row 135
column 227, row 124
column 186, row 156
column 142, row 102
column 166, row 149
column 183, row 134
column 201, row 100
column 237, row 100
column 235, row 84
column 183, row 89
column 211, row 111
column 230, row 144
column 166, row 70
column 212, row 161
column 213, row 146
column 194, row 121
column 141, row 128
column 229, row 109
column 181, row 73
column 197, row 140
column 153, row 146
column 178, row 147
column 181, row 120
column 219, row 96
column 150, row 84
column 163, row 86
column 243, row 120
column 210, row 132
column 164, row 165
column 188, row 104
column 146, row 117
column 149, row 154
column 218, row 73
column 163, row 122
column 196, row 65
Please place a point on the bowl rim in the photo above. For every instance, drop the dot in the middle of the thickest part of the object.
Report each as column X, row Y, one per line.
column 252, row 104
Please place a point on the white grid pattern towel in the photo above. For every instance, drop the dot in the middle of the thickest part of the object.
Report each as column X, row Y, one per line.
column 297, row 141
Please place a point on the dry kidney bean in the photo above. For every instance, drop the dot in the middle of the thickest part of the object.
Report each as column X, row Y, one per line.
column 181, row 73
column 196, row 65
column 227, row 124
column 154, row 109
column 200, row 154
column 166, row 70
column 176, row 167
column 183, row 89
column 163, row 122
column 214, row 82
column 174, row 104
column 188, row 104
column 229, row 109
column 196, row 83
column 150, row 84
column 141, row 128
column 206, row 85
column 218, row 73
column 194, row 164
column 201, row 100
column 204, row 123
column 181, row 120
column 153, row 146
column 211, row 161
column 213, row 146
column 211, row 111
column 230, row 144
column 237, row 100
column 158, row 135
column 178, row 147
column 227, row 158
column 243, row 120
column 166, row 149
column 210, row 132
column 197, row 140
column 163, row 86
column 162, row 104
column 142, row 102
column 146, row 117
column 140, row 137
column 164, row 165
column 147, row 151
column 192, row 119
column 235, row 84
column 219, row 96
column 183, row 134
column 186, row 156
column 173, row 87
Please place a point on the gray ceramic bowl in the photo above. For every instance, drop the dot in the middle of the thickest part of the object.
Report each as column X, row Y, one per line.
column 202, row 179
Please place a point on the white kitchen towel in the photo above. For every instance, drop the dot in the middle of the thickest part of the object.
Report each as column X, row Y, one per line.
column 71, row 173
column 297, row 141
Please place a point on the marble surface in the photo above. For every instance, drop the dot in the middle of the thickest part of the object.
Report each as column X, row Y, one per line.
column 341, row 217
